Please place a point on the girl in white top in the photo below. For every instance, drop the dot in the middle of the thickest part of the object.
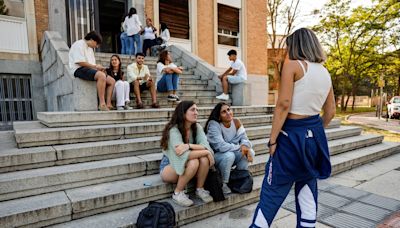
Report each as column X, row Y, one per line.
column 298, row 147
column 133, row 27
column 149, row 36
column 165, row 36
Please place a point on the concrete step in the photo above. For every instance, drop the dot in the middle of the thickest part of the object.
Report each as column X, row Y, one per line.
column 37, row 181
column 21, row 159
column 183, row 94
column 67, row 119
column 164, row 103
column 86, row 201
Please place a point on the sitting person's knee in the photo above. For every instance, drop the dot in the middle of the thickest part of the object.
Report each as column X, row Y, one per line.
column 193, row 164
column 204, row 161
column 100, row 76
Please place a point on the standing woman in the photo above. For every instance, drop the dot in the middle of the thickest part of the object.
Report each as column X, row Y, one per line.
column 133, row 27
column 168, row 76
column 186, row 153
column 298, row 146
column 121, row 88
column 149, row 36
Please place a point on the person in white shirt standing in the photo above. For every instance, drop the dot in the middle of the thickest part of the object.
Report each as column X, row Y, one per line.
column 234, row 75
column 82, row 64
column 149, row 36
column 133, row 28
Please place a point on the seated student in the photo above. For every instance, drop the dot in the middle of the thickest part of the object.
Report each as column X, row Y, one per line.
column 121, row 88
column 186, row 153
column 139, row 75
column 168, row 76
column 82, row 64
column 235, row 74
column 229, row 141
column 164, row 36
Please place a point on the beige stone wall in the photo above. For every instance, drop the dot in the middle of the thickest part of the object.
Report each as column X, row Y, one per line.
column 149, row 9
column 42, row 18
column 205, row 28
column 256, row 37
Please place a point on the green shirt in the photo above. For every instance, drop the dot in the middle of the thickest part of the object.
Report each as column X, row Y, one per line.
column 175, row 138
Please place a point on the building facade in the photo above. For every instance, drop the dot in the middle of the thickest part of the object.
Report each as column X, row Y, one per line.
column 207, row 28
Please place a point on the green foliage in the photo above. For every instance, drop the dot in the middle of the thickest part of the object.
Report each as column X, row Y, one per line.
column 357, row 41
column 3, row 8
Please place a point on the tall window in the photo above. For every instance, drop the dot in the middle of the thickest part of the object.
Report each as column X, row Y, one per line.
column 175, row 13
column 228, row 25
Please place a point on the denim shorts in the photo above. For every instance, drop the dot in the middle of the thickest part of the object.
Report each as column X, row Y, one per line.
column 235, row 79
column 85, row 73
column 164, row 162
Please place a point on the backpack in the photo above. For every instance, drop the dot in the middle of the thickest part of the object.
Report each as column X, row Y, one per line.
column 156, row 215
column 240, row 181
column 214, row 184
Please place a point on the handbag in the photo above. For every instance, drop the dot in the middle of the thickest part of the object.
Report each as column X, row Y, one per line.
column 240, row 181
column 213, row 184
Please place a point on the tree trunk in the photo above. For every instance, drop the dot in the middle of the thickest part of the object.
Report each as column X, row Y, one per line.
column 398, row 87
column 347, row 101
column 342, row 107
column 353, row 91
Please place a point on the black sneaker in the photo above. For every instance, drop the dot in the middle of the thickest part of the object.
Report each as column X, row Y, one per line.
column 177, row 98
column 171, row 97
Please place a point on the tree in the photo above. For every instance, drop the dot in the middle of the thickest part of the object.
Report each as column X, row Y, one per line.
column 355, row 39
column 280, row 13
column 3, row 8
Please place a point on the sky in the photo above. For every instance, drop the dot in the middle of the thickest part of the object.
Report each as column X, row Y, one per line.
column 306, row 7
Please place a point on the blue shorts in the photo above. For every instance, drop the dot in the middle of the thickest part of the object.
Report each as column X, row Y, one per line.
column 235, row 79
column 164, row 162
column 85, row 73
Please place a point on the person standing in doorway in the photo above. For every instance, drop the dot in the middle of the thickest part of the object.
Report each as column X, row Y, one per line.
column 235, row 74
column 133, row 28
column 82, row 64
column 298, row 146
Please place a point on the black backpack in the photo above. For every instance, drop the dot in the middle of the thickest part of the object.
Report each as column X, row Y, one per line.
column 156, row 215
column 240, row 181
column 214, row 184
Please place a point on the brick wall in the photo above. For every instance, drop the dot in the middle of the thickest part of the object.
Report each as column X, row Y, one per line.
column 205, row 28
column 149, row 9
column 42, row 18
column 257, row 37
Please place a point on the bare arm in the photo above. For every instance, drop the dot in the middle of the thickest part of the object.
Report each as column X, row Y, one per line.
column 88, row 65
column 329, row 108
column 227, row 71
column 284, row 102
column 233, row 72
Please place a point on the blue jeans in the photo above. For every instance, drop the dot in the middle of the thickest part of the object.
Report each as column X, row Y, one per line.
column 225, row 161
column 168, row 82
column 131, row 44
column 124, row 43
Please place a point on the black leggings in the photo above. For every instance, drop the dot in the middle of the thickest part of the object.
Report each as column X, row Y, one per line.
column 147, row 44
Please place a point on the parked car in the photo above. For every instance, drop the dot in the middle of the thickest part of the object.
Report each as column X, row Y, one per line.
column 393, row 107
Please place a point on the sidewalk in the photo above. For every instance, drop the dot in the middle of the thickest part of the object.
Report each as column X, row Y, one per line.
column 369, row 119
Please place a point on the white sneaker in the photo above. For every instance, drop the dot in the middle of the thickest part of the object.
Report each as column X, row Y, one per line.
column 182, row 199
column 204, row 195
column 226, row 189
column 120, row 108
column 223, row 96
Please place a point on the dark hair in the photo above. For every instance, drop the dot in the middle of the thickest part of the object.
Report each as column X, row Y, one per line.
column 139, row 54
column 303, row 44
column 163, row 56
column 120, row 72
column 178, row 120
column 215, row 114
column 163, row 26
column 232, row 52
column 93, row 35
column 131, row 12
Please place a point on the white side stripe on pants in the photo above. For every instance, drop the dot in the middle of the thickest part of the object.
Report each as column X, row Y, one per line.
column 308, row 206
column 260, row 220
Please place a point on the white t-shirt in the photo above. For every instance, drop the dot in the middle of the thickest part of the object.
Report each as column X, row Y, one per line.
column 165, row 36
column 160, row 69
column 241, row 69
column 148, row 34
column 132, row 25
column 80, row 52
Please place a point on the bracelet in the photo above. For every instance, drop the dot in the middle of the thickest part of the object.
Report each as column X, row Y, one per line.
column 189, row 146
column 271, row 144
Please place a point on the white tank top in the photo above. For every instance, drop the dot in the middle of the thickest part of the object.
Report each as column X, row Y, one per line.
column 311, row 91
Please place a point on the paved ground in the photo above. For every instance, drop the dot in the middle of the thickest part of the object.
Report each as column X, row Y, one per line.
column 369, row 119
column 367, row 196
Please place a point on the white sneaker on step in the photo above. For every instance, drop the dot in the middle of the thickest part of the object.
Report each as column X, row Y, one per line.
column 226, row 189
column 182, row 199
column 223, row 96
column 204, row 195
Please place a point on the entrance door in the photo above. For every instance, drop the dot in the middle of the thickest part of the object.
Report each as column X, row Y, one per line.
column 81, row 20
column 109, row 16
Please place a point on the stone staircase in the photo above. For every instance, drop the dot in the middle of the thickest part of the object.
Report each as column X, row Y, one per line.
column 99, row 169
column 191, row 85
